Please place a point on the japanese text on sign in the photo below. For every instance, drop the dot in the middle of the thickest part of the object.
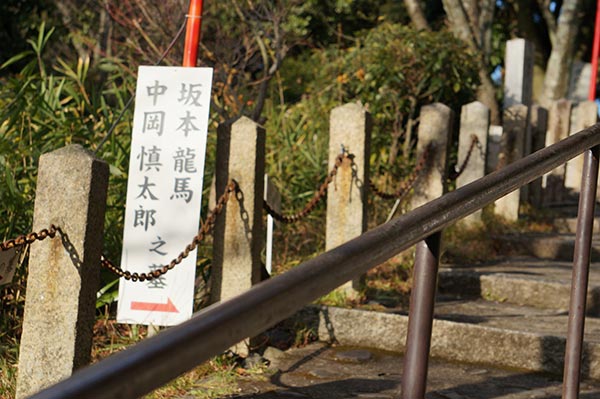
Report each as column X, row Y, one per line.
column 164, row 192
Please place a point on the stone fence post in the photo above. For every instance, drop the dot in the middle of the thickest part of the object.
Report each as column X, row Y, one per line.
column 238, row 235
column 539, row 127
column 350, row 127
column 514, row 136
column 583, row 115
column 493, row 148
column 474, row 123
column 518, row 80
column 434, row 136
column 553, row 183
column 64, row 271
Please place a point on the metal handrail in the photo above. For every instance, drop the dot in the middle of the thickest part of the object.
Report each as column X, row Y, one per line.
column 155, row 361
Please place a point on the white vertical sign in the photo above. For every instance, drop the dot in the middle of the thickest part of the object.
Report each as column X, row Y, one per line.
column 164, row 192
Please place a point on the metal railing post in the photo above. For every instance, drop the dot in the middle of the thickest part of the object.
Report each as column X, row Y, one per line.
column 420, row 318
column 581, row 268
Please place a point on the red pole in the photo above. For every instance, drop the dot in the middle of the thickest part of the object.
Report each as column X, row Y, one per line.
column 192, row 33
column 595, row 50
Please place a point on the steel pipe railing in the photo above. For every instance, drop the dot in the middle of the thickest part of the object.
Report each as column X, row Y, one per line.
column 580, row 274
column 155, row 361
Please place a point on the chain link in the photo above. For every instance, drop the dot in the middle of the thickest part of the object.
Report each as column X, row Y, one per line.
column 454, row 174
column 205, row 230
column 407, row 184
column 29, row 238
column 312, row 204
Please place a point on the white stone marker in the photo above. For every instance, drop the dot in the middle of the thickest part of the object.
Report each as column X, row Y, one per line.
column 518, row 80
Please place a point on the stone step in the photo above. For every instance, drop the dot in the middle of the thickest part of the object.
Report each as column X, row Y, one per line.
column 547, row 245
column 569, row 225
column 476, row 332
column 323, row 371
column 526, row 281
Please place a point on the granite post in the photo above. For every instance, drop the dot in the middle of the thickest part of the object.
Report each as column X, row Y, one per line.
column 493, row 148
column 512, row 148
column 553, row 183
column 539, row 125
column 583, row 115
column 238, row 235
column 474, row 122
column 518, row 80
column 434, row 136
column 64, row 271
column 350, row 129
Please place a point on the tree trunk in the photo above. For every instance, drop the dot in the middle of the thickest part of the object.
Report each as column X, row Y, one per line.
column 561, row 58
column 477, row 39
column 416, row 14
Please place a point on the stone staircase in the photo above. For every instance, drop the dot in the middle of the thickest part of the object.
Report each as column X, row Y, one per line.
column 499, row 332
column 504, row 313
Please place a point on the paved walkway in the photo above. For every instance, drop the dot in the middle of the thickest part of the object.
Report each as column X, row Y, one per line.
column 319, row 371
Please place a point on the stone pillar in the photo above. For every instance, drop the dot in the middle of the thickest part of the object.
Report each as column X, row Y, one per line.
column 493, row 148
column 583, row 115
column 64, row 272
column 350, row 127
column 539, row 125
column 518, row 77
column 512, row 148
column 559, row 123
column 435, row 135
column 474, row 122
column 579, row 83
column 238, row 235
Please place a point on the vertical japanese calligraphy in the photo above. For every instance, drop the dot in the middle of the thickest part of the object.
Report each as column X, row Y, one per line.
column 164, row 192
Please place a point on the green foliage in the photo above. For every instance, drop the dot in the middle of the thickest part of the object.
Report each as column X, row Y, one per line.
column 43, row 108
column 393, row 70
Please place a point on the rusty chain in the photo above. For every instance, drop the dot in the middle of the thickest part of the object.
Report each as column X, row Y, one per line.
column 405, row 186
column 206, row 228
column 29, row 238
column 312, row 204
column 454, row 173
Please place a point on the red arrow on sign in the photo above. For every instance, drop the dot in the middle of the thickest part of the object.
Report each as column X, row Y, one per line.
column 155, row 307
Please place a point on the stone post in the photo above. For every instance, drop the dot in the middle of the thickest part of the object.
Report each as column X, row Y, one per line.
column 539, row 125
column 474, row 122
column 518, row 80
column 553, row 183
column 579, row 83
column 238, row 235
column 350, row 127
column 434, row 134
column 512, row 148
column 64, row 272
column 493, row 148
column 583, row 115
